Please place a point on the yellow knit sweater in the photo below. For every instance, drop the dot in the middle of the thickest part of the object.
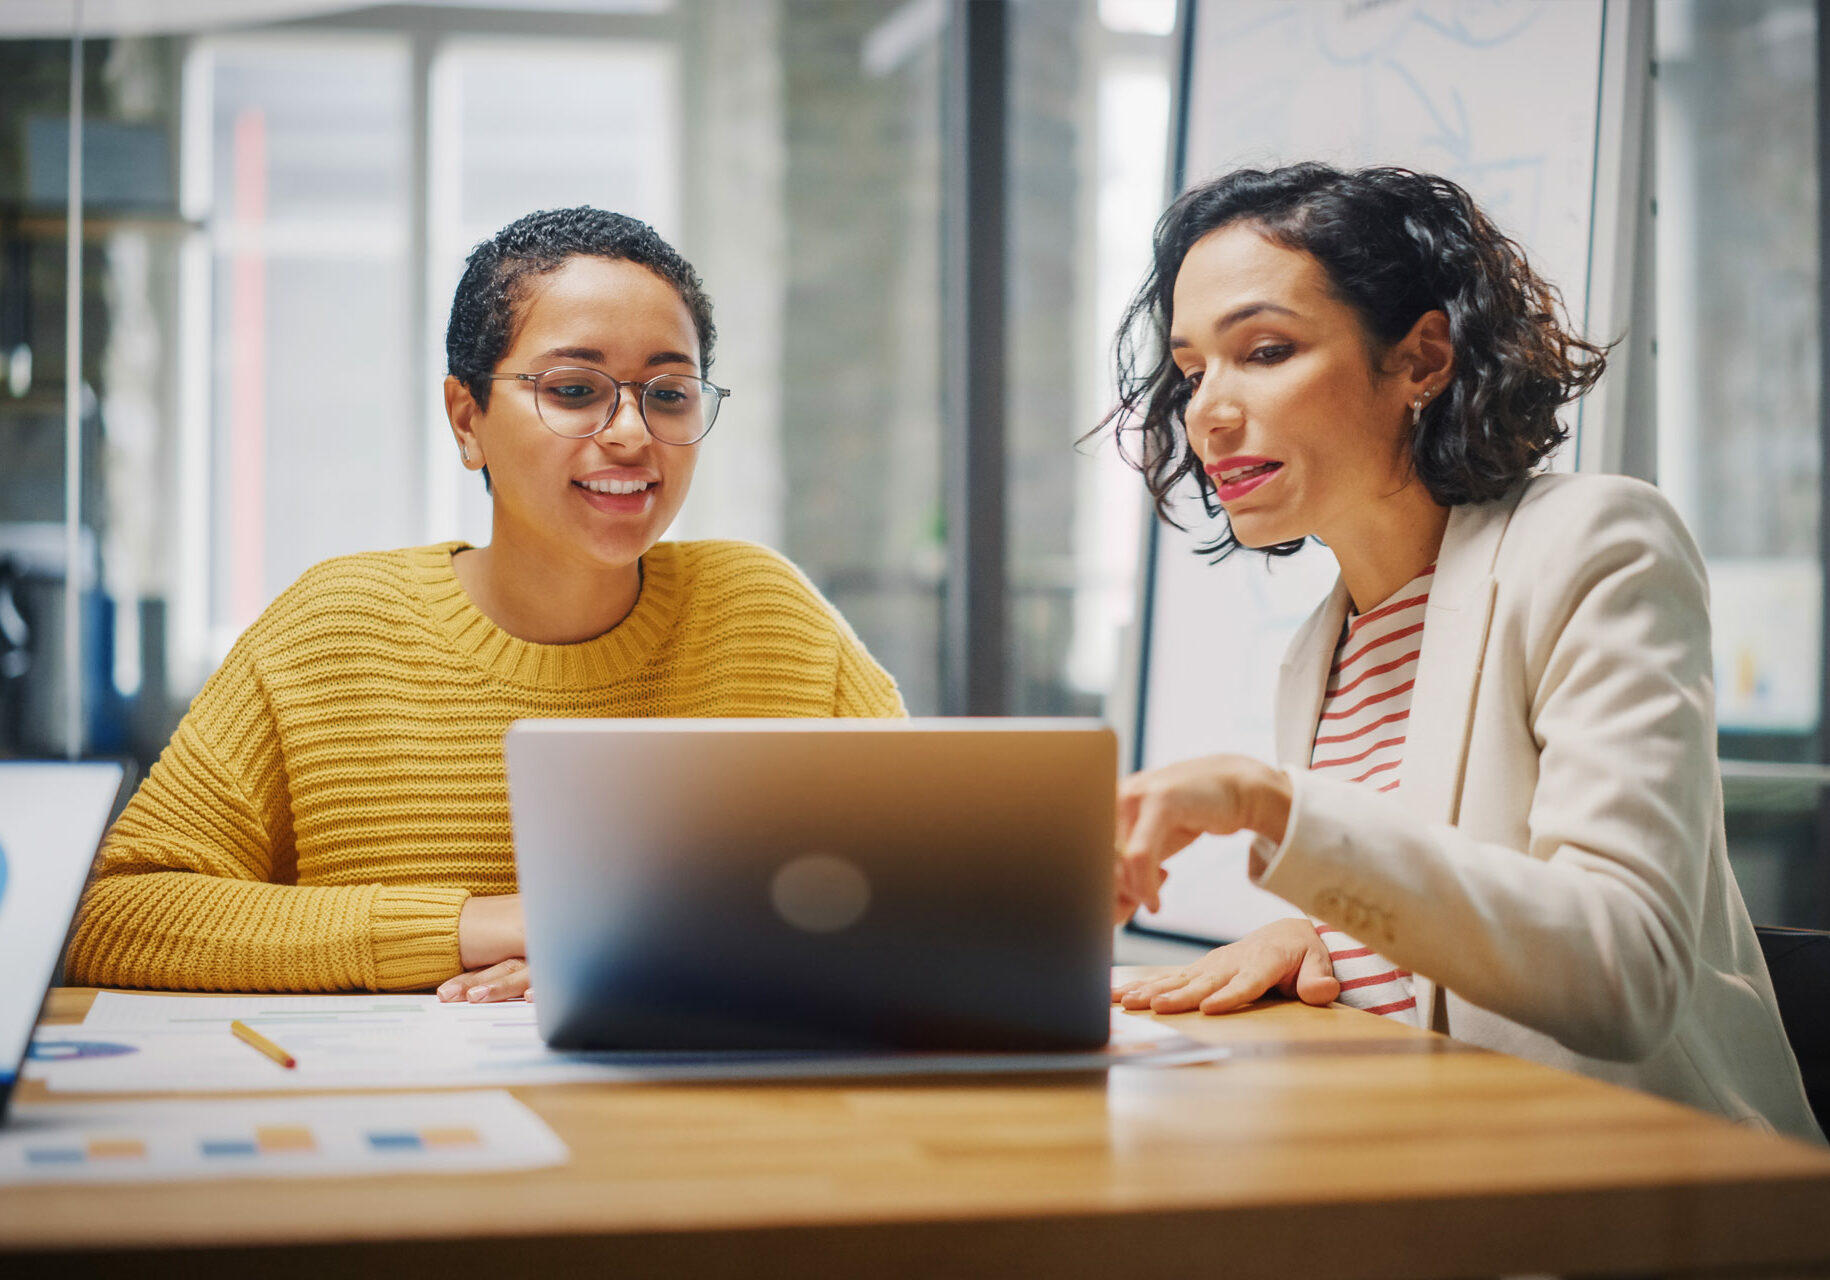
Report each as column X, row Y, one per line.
column 337, row 791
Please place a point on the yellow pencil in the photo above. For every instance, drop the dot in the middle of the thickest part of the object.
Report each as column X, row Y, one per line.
column 248, row 1035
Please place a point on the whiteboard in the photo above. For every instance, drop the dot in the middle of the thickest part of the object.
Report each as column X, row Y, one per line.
column 1517, row 102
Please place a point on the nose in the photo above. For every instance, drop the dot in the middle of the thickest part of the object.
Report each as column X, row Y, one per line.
column 626, row 427
column 1211, row 410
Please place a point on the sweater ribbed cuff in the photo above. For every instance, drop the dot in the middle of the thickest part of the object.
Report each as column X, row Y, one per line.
column 414, row 930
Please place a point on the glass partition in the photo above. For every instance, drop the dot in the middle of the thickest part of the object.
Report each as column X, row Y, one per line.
column 1089, row 154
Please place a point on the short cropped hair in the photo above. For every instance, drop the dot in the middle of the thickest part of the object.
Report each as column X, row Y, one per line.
column 485, row 311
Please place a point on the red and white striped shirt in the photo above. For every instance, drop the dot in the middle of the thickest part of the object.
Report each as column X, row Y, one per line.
column 1360, row 739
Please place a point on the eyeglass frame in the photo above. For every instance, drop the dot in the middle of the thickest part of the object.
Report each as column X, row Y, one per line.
column 617, row 404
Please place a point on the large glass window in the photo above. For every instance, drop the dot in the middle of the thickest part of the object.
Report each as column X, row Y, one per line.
column 305, row 205
column 278, row 212
column 1089, row 152
column 1739, row 420
column 276, row 216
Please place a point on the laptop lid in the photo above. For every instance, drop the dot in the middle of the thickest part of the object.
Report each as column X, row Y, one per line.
column 799, row 884
column 52, row 817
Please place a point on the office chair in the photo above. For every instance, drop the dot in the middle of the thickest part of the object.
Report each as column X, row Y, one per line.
column 1799, row 960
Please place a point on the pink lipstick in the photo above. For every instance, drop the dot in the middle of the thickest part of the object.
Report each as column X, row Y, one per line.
column 1240, row 474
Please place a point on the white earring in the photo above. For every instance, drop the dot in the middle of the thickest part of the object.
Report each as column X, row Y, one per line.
column 464, row 452
column 1417, row 405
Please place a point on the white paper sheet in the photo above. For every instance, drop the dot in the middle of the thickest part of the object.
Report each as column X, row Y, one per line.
column 274, row 1138
column 159, row 1044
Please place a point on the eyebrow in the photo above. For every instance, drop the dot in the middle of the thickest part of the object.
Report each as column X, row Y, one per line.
column 595, row 356
column 1234, row 316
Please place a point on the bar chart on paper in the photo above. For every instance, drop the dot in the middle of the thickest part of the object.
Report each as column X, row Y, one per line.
column 460, row 1132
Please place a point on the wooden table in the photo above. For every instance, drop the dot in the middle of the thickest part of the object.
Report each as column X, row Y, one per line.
column 1330, row 1143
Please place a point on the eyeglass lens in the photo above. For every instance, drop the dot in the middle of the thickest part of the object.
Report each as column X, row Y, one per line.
column 578, row 402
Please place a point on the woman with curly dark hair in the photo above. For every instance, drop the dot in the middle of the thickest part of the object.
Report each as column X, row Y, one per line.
column 1498, row 797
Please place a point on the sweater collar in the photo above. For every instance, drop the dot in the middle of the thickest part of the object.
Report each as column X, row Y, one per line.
column 600, row 661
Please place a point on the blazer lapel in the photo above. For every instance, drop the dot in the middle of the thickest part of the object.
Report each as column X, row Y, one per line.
column 1304, row 678
column 1455, row 627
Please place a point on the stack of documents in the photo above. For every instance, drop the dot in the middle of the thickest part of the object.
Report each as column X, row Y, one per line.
column 163, row 1044
column 175, row 1044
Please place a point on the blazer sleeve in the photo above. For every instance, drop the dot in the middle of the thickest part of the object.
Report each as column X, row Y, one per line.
column 1592, row 938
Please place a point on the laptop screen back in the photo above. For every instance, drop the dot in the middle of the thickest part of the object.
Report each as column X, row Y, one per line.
column 814, row 884
column 51, row 819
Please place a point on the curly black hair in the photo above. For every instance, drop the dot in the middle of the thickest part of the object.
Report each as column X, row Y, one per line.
column 1394, row 245
column 485, row 308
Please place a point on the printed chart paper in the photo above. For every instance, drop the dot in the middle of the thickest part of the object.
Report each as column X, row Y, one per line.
column 159, row 1044
column 274, row 1138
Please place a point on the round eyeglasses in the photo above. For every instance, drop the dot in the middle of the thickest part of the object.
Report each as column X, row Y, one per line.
column 677, row 408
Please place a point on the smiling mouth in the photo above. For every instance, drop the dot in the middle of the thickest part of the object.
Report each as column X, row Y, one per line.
column 613, row 486
column 1233, row 475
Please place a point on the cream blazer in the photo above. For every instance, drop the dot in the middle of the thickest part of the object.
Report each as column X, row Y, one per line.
column 1553, row 868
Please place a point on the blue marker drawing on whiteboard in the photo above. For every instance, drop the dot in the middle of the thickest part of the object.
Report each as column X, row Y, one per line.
column 1352, row 38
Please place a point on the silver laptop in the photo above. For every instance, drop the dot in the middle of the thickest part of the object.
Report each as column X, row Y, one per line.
column 51, row 819
column 816, row 884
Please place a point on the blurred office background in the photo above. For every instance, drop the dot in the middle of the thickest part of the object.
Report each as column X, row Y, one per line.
column 275, row 213
column 277, row 196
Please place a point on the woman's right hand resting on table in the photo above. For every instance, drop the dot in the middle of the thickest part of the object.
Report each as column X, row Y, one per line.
column 1286, row 955
column 492, row 944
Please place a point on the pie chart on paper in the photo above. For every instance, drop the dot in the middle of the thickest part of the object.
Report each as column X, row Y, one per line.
column 72, row 1050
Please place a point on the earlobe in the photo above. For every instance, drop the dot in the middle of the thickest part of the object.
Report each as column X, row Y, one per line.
column 461, row 412
column 470, row 451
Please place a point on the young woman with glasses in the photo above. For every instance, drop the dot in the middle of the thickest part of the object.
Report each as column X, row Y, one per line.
column 332, row 813
column 1499, row 801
